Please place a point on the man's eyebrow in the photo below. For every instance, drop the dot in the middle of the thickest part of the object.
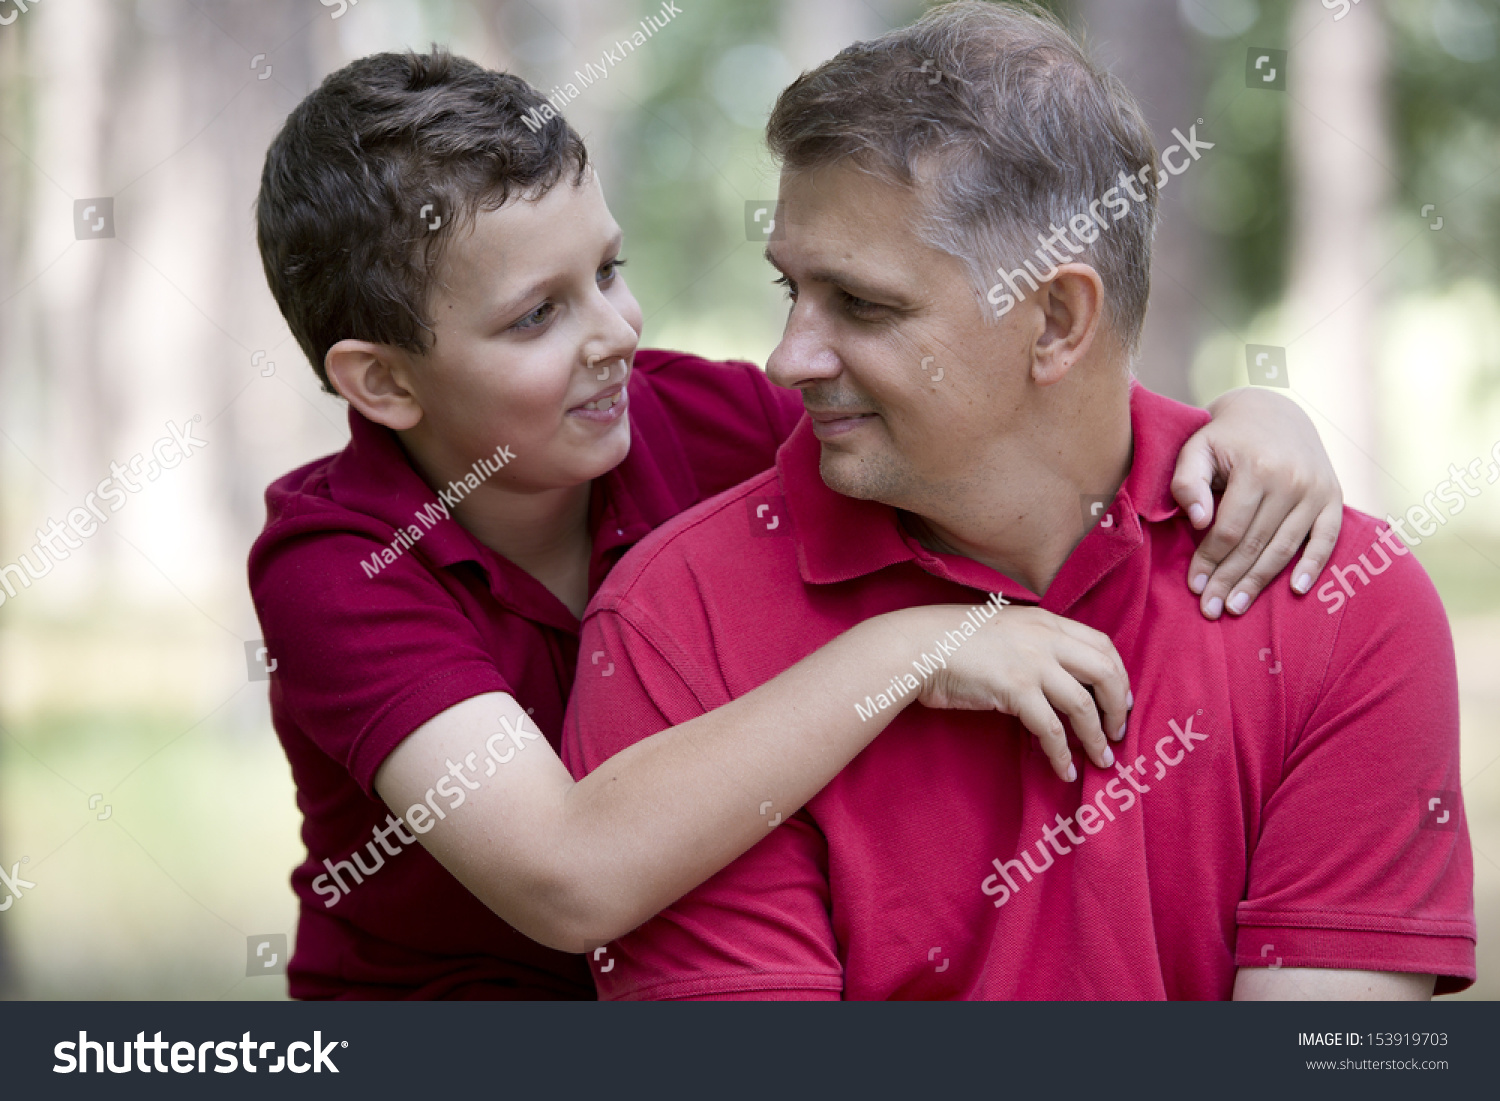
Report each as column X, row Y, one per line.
column 852, row 284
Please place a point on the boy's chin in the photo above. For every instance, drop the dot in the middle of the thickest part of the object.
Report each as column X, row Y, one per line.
column 603, row 455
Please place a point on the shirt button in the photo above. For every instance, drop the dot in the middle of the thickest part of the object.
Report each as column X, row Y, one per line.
column 619, row 531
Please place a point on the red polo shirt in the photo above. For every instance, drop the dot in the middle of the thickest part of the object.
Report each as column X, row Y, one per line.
column 362, row 661
column 1272, row 805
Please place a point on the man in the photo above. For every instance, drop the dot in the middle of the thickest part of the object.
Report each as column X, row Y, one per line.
column 1283, row 818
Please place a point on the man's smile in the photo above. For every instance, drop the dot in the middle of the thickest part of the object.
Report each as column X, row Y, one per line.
column 827, row 425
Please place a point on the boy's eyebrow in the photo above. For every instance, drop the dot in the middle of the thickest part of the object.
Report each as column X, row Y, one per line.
column 851, row 284
column 516, row 301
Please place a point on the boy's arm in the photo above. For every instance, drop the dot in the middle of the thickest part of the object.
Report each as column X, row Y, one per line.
column 1279, row 486
column 575, row 865
column 694, row 779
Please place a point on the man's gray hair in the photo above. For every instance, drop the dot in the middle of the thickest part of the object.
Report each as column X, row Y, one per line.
column 1005, row 128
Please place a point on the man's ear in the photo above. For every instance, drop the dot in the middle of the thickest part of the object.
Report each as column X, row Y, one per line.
column 1072, row 304
column 375, row 379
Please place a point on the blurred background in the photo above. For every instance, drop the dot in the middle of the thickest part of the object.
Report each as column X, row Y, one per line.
column 1347, row 217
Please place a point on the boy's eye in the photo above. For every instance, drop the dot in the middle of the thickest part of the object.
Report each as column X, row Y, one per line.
column 791, row 288
column 536, row 317
column 608, row 271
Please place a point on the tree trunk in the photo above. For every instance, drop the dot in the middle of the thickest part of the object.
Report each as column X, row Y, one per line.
column 1340, row 149
column 1146, row 45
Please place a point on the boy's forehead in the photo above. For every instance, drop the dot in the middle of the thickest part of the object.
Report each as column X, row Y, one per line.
column 505, row 249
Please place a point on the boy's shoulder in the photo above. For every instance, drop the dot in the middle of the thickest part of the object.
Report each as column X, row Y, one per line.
column 360, row 489
column 326, row 517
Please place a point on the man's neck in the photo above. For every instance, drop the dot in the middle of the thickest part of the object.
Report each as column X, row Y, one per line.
column 1020, row 510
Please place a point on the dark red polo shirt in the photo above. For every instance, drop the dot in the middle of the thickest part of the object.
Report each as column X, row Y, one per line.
column 362, row 661
column 1286, row 794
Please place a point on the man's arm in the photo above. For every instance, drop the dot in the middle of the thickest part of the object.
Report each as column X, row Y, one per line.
column 1311, row 984
column 1361, row 872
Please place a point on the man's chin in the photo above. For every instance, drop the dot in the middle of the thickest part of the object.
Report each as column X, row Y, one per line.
column 851, row 476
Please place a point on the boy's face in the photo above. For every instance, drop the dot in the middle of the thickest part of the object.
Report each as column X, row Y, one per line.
column 533, row 324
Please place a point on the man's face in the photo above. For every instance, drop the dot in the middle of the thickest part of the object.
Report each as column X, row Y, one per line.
column 533, row 323
column 908, row 388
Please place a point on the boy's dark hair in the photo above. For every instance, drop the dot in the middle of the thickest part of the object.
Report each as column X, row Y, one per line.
column 343, row 218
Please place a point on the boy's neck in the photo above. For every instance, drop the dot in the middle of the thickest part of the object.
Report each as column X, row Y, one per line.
column 546, row 534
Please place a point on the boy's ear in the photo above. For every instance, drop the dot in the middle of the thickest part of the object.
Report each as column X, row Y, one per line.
column 374, row 379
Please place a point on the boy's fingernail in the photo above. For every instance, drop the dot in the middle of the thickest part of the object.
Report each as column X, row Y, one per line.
column 1199, row 583
column 1072, row 773
column 1196, row 513
column 1239, row 602
column 1129, row 702
column 1109, row 757
column 1120, row 734
column 1215, row 608
column 1303, row 582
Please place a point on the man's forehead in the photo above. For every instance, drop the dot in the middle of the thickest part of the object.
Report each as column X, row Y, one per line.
column 842, row 218
column 846, row 193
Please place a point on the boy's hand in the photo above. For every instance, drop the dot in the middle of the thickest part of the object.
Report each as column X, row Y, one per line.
column 1032, row 664
column 1280, row 486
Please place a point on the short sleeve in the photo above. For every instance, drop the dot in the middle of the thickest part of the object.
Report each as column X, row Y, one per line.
column 760, row 928
column 1363, row 861
column 362, row 661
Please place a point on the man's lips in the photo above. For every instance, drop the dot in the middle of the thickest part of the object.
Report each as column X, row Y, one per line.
column 827, row 423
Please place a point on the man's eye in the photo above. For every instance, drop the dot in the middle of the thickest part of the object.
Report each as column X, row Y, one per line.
column 536, row 317
column 608, row 271
column 791, row 288
column 860, row 308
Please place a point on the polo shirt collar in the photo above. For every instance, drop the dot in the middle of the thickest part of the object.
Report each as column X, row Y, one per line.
column 375, row 476
column 840, row 538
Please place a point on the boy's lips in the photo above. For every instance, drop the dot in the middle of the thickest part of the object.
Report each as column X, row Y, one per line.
column 603, row 407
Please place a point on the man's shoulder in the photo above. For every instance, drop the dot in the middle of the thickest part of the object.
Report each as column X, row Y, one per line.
column 709, row 540
column 1374, row 576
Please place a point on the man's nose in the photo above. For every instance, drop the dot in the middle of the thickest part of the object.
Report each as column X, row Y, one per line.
column 804, row 355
